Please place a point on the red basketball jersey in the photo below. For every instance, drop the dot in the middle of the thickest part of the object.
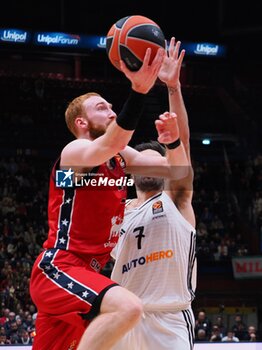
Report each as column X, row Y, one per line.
column 87, row 219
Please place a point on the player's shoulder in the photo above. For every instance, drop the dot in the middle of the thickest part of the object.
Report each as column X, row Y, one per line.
column 76, row 143
column 74, row 147
column 166, row 199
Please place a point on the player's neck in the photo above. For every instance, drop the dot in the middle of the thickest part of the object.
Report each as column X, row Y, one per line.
column 85, row 136
column 144, row 196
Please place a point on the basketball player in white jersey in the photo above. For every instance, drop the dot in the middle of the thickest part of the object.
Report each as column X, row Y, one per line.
column 155, row 255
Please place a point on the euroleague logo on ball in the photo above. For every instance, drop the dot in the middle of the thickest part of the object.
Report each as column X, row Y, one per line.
column 129, row 38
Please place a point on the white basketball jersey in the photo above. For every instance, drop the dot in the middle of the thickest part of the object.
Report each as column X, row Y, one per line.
column 155, row 255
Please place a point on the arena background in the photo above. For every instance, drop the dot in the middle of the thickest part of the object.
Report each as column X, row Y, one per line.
column 241, row 346
column 222, row 93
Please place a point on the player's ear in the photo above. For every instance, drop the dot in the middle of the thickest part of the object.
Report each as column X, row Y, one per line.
column 81, row 122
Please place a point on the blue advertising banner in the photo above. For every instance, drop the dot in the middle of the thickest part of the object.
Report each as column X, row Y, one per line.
column 94, row 42
column 69, row 40
column 56, row 39
column 14, row 35
column 204, row 49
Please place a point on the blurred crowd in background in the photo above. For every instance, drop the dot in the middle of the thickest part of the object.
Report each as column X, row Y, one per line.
column 227, row 188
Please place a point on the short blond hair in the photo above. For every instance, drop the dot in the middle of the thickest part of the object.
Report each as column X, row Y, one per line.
column 75, row 109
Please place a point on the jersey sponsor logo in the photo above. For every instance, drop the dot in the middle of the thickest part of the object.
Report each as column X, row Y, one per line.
column 157, row 207
column 72, row 346
column 158, row 217
column 110, row 244
column 95, row 265
column 147, row 259
column 116, row 222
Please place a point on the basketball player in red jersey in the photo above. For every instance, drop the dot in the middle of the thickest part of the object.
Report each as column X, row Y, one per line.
column 73, row 300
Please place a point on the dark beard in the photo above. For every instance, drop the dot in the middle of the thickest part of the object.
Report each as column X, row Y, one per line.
column 96, row 131
column 148, row 184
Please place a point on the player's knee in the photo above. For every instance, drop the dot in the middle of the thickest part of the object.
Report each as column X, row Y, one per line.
column 121, row 301
column 132, row 309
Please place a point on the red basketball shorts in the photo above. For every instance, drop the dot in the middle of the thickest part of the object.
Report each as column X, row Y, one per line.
column 67, row 294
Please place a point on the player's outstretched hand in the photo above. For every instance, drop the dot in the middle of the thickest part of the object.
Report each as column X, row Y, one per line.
column 167, row 128
column 171, row 66
column 144, row 79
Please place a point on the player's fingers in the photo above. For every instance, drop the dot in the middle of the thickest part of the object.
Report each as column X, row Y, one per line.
column 159, row 123
column 159, row 127
column 181, row 57
column 164, row 137
column 147, row 57
column 168, row 116
column 123, row 67
column 163, row 117
column 176, row 50
column 166, row 45
column 171, row 46
column 172, row 115
column 159, row 57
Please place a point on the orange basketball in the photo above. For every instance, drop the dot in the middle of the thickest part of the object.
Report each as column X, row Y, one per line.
column 129, row 38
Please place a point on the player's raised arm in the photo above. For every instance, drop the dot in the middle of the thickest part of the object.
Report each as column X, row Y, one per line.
column 181, row 191
column 94, row 120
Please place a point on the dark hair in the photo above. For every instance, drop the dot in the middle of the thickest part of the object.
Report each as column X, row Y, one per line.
column 154, row 145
